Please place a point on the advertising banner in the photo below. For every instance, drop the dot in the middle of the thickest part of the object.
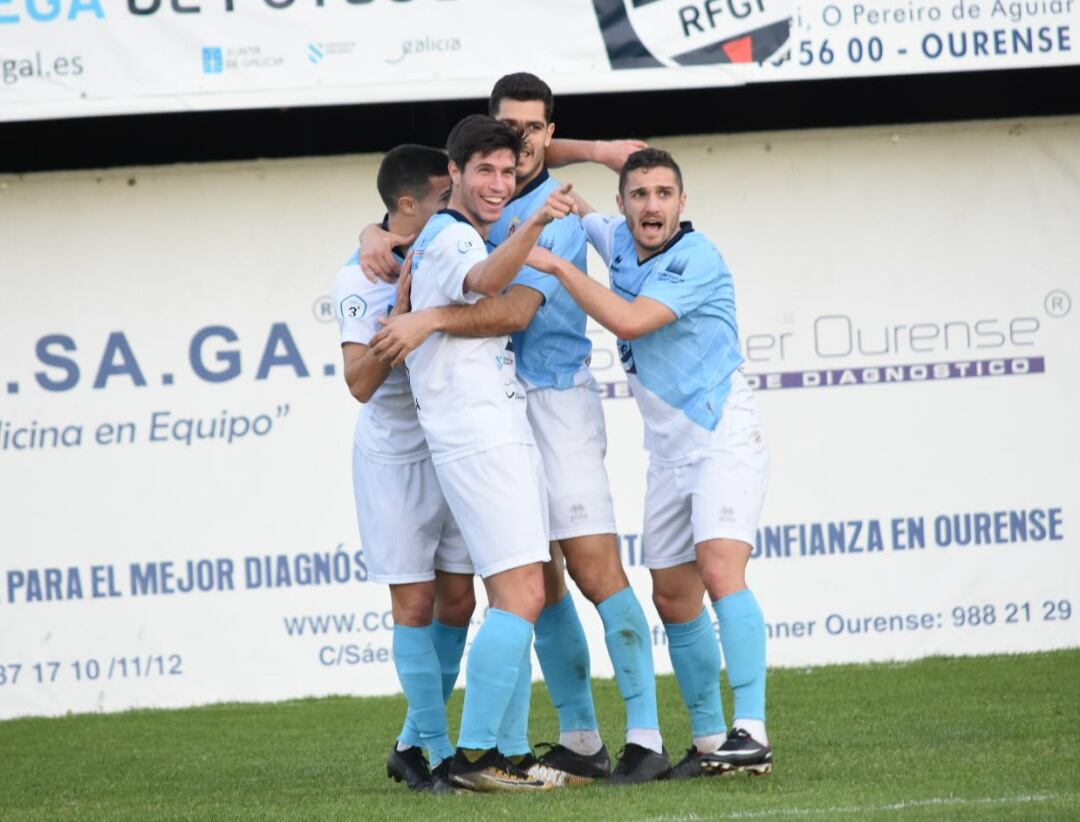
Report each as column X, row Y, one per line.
column 176, row 510
column 76, row 58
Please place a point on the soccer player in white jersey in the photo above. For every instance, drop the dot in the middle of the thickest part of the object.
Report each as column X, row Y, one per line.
column 472, row 409
column 410, row 538
column 672, row 307
column 552, row 353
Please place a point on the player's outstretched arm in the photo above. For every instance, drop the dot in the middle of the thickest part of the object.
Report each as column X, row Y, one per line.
column 626, row 320
column 490, row 276
column 611, row 153
column 491, row 317
column 377, row 260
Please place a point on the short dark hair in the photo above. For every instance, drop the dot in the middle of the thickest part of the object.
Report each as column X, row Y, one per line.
column 521, row 86
column 483, row 134
column 407, row 170
column 649, row 158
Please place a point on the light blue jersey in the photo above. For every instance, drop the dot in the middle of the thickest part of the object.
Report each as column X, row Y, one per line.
column 679, row 374
column 554, row 351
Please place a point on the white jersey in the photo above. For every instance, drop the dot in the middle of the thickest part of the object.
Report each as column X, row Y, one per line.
column 467, row 392
column 387, row 428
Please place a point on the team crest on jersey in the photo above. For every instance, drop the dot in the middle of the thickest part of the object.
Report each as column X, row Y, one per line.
column 465, row 245
column 353, row 307
column 514, row 223
column 675, row 33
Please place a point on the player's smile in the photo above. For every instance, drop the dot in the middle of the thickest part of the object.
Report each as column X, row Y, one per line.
column 484, row 186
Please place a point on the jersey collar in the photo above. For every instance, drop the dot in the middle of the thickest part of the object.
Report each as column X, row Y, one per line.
column 536, row 182
column 457, row 215
column 685, row 227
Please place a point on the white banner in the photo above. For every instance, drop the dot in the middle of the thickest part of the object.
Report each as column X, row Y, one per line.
column 176, row 515
column 77, row 58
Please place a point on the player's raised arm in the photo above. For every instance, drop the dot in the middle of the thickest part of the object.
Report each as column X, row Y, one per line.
column 611, row 153
column 491, row 275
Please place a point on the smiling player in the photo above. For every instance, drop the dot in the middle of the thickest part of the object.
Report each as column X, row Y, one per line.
column 472, row 410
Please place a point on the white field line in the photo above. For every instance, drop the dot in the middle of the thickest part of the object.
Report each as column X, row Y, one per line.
column 944, row 802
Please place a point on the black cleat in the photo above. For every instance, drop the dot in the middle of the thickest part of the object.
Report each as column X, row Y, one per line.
column 409, row 766
column 741, row 752
column 560, row 766
column 440, row 777
column 491, row 772
column 696, row 763
column 639, row 764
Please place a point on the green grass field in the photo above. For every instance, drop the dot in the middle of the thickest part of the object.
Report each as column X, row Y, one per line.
column 971, row 738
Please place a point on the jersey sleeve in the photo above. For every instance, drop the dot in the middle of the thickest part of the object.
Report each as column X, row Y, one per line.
column 600, row 230
column 356, row 306
column 450, row 256
column 564, row 238
column 684, row 280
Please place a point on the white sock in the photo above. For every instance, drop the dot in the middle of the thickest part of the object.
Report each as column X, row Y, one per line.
column 754, row 727
column 646, row 738
column 401, row 746
column 709, row 744
column 585, row 743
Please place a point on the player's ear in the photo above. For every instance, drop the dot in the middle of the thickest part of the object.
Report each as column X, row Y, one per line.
column 550, row 134
column 455, row 174
column 619, row 203
column 406, row 205
column 682, row 202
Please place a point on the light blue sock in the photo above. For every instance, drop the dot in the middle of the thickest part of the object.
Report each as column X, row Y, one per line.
column 563, row 653
column 418, row 670
column 492, row 676
column 742, row 636
column 449, row 641
column 695, row 656
column 626, row 634
column 514, row 733
column 449, row 645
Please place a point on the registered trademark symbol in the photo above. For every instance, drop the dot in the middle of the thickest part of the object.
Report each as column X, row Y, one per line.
column 323, row 309
column 1057, row 303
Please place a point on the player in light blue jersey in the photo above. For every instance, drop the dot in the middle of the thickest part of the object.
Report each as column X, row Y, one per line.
column 410, row 539
column 672, row 307
column 552, row 353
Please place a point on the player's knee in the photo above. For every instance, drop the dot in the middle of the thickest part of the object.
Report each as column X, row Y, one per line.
column 413, row 605
column 671, row 607
column 722, row 578
column 456, row 610
column 598, row 580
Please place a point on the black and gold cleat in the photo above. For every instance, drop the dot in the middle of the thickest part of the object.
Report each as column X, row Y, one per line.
column 489, row 771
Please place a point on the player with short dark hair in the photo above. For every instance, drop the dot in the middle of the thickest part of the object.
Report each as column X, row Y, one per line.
column 672, row 308
column 471, row 407
column 410, row 538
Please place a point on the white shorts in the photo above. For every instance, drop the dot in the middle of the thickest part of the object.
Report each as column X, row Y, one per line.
column 406, row 528
column 569, row 430
column 498, row 498
column 719, row 495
